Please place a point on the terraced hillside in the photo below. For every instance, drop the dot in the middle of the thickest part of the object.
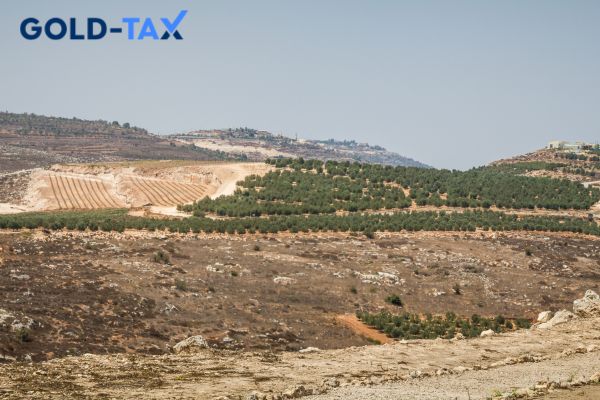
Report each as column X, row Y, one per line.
column 162, row 192
column 71, row 192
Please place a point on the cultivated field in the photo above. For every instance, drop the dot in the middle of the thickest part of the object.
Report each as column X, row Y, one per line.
column 162, row 192
column 74, row 192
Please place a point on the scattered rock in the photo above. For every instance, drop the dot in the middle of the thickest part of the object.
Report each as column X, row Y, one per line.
column 5, row 317
column 487, row 333
column 169, row 308
column 283, row 280
column 227, row 339
column 191, row 344
column 545, row 316
column 22, row 277
column 416, row 374
column 254, row 302
column 296, row 392
column 255, row 395
column 588, row 306
column 560, row 317
column 309, row 350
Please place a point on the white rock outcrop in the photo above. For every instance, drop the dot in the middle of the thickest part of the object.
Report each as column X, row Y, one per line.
column 309, row 350
column 487, row 333
column 545, row 316
column 190, row 345
column 588, row 306
column 560, row 317
column 284, row 280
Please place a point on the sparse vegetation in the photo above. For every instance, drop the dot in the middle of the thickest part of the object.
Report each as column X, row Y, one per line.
column 394, row 299
column 456, row 289
column 161, row 257
column 23, row 334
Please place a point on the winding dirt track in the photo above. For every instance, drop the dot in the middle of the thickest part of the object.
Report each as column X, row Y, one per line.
column 357, row 326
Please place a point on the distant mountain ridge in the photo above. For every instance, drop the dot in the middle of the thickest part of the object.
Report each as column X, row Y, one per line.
column 79, row 140
column 258, row 145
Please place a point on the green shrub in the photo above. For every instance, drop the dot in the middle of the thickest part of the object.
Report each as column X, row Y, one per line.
column 395, row 300
column 23, row 334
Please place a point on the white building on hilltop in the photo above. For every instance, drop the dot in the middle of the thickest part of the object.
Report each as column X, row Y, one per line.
column 563, row 145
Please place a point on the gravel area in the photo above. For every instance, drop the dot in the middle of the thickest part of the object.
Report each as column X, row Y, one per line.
column 475, row 384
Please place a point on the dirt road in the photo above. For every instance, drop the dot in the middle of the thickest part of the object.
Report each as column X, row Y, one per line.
column 357, row 326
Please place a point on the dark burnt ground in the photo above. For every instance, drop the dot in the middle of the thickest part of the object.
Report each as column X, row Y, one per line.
column 99, row 293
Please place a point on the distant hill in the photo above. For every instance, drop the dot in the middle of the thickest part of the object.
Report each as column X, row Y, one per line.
column 30, row 141
column 260, row 145
column 74, row 139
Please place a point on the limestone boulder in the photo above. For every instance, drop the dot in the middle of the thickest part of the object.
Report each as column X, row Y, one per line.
column 192, row 344
column 588, row 306
column 561, row 317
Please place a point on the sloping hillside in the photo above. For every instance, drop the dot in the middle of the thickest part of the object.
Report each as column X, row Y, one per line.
column 582, row 165
column 260, row 145
column 73, row 139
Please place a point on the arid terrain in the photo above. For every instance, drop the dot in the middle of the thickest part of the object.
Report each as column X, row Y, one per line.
column 169, row 277
column 107, row 293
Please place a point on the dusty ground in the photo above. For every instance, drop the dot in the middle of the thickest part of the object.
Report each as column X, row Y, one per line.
column 480, row 384
column 438, row 369
column 97, row 293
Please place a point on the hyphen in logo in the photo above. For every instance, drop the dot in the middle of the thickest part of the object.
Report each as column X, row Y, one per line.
column 96, row 28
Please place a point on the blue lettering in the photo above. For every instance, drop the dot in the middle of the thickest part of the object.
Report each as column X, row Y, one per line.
column 90, row 28
column 61, row 24
column 73, row 29
column 148, row 30
column 172, row 26
column 35, row 30
column 131, row 21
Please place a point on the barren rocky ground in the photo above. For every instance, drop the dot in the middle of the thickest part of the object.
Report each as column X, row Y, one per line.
column 259, row 300
column 529, row 361
column 99, row 292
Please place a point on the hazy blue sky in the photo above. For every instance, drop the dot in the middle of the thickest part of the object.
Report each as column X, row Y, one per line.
column 450, row 83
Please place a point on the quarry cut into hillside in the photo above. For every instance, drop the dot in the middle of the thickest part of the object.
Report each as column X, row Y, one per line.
column 159, row 184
